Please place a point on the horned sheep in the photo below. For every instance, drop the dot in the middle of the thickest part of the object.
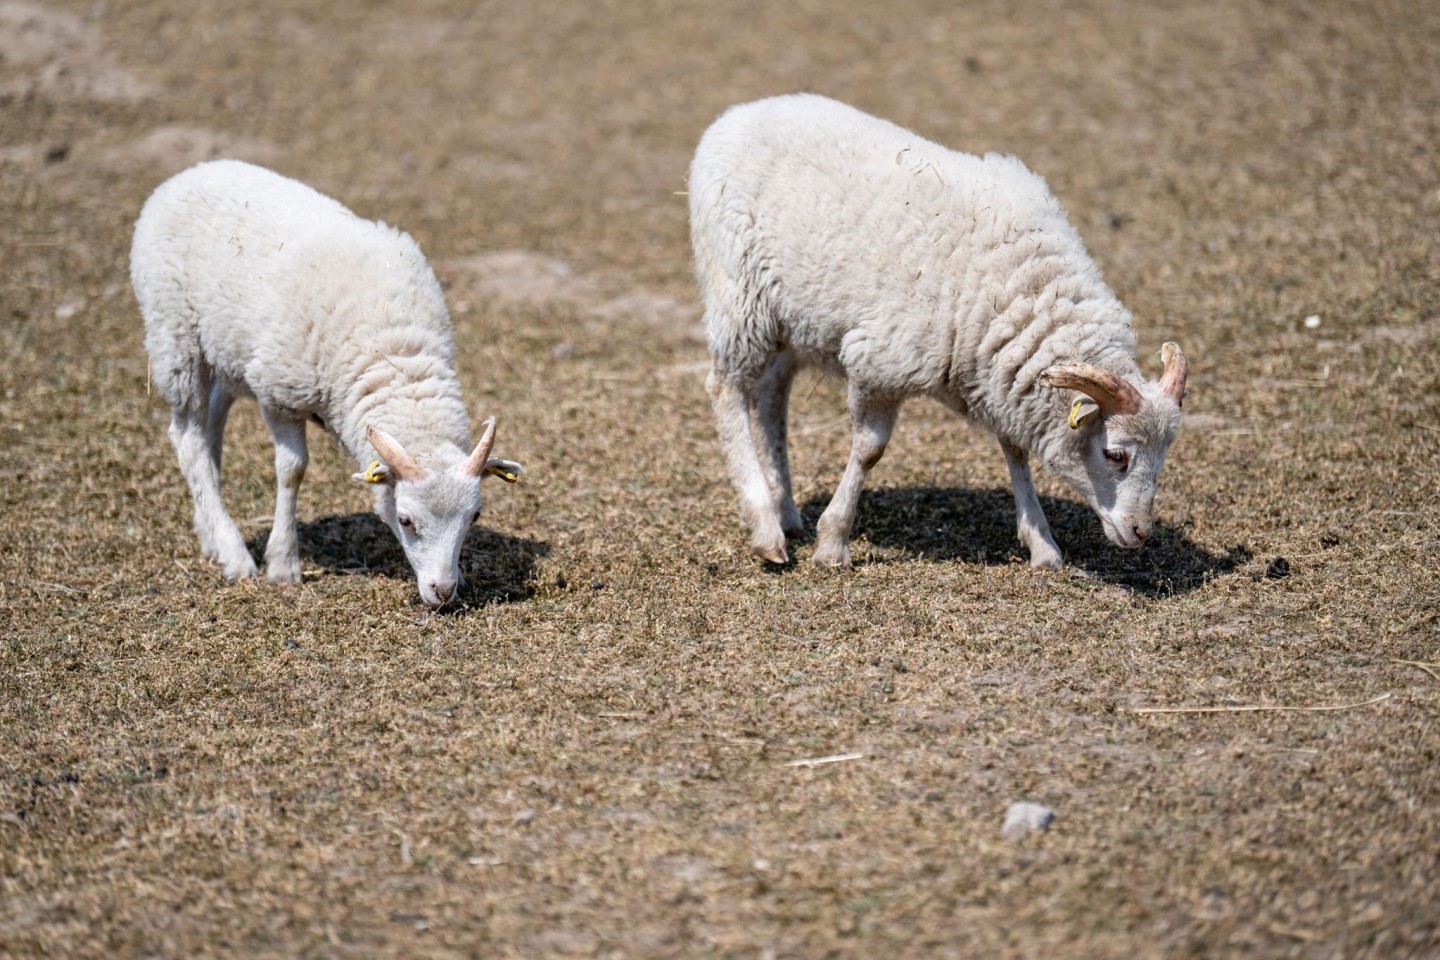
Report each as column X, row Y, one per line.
column 824, row 236
column 253, row 284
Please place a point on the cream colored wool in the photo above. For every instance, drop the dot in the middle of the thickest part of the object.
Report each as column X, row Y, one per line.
column 824, row 236
column 253, row 284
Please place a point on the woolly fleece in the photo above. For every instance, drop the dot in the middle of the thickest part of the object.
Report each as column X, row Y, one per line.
column 825, row 236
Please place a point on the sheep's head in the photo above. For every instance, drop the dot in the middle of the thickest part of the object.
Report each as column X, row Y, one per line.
column 431, row 502
column 1117, row 439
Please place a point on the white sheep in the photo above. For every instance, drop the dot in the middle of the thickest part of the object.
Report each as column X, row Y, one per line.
column 253, row 284
column 826, row 236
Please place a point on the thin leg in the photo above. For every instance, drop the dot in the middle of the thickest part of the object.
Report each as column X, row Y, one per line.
column 219, row 412
column 772, row 403
column 730, row 400
column 1030, row 520
column 219, row 537
column 872, row 420
column 282, row 551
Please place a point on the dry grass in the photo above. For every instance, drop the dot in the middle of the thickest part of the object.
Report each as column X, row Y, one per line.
column 591, row 757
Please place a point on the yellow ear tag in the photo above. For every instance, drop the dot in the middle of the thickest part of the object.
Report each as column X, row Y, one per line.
column 372, row 474
column 1077, row 419
column 495, row 470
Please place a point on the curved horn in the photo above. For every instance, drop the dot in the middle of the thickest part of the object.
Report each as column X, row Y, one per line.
column 476, row 464
column 1111, row 393
column 1172, row 381
column 394, row 455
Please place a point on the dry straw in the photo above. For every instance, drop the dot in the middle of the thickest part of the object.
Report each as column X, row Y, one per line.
column 1263, row 708
column 1427, row 667
column 817, row 761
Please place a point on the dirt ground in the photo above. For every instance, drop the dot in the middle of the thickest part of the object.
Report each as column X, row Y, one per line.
column 590, row 757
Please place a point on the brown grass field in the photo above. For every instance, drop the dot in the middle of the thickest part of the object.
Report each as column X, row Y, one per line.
column 588, row 758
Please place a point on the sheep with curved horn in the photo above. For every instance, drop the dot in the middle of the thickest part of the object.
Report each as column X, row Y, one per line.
column 825, row 236
column 253, row 284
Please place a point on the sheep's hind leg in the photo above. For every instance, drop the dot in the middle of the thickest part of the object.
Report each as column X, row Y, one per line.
column 1030, row 522
column 730, row 398
column 216, row 415
column 872, row 420
column 220, row 539
column 772, row 402
column 282, row 550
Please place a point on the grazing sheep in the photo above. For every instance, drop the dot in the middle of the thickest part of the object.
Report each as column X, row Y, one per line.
column 826, row 236
column 253, row 284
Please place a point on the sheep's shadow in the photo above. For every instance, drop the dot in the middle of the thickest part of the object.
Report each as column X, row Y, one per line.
column 497, row 568
column 978, row 526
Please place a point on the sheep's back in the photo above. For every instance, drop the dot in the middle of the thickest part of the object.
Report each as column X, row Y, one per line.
column 292, row 297
column 885, row 252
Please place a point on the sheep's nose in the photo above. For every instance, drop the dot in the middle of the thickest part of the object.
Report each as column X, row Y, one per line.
column 1142, row 533
column 444, row 590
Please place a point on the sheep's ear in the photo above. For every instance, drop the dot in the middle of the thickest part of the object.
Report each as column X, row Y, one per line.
column 1111, row 393
column 475, row 465
column 1082, row 411
column 402, row 465
column 377, row 472
column 507, row 470
column 1172, row 381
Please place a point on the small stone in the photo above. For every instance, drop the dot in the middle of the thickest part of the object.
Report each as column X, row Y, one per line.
column 1023, row 817
column 1312, row 322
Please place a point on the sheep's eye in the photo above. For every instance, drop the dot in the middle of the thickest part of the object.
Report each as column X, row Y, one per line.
column 408, row 523
column 476, row 517
column 1120, row 458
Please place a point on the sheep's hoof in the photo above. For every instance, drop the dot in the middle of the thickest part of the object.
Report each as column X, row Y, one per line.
column 771, row 553
column 833, row 558
column 282, row 576
column 1046, row 559
column 239, row 569
column 791, row 523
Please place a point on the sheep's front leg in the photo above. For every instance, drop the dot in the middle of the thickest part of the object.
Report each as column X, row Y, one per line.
column 220, row 539
column 1030, row 522
column 772, row 403
column 730, row 398
column 872, row 420
column 282, row 551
